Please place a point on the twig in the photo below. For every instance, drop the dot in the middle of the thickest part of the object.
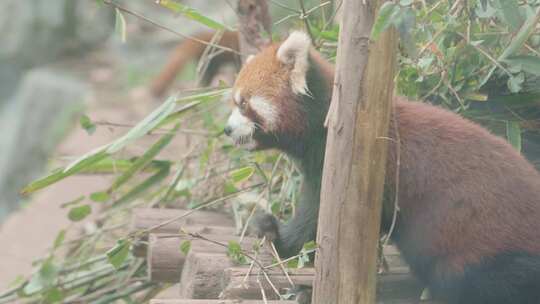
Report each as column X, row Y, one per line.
column 289, row 259
column 276, row 256
column 253, row 262
column 247, row 255
column 211, row 203
column 142, row 17
column 263, row 293
column 304, row 18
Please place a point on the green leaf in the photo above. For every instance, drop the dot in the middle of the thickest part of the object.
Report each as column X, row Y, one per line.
column 146, row 125
column 77, row 214
column 309, row 246
column 59, row 240
column 144, row 186
column 99, row 197
column 43, row 279
column 516, row 44
column 119, row 253
column 73, row 202
column 87, row 124
column 120, row 25
column 86, row 160
column 185, row 247
column 528, row 63
column 145, row 159
column 54, row 295
column 242, row 174
column 510, row 13
column 515, row 83
column 513, row 134
column 275, row 208
column 191, row 14
column 405, row 26
column 292, row 263
column 229, row 188
column 384, row 20
column 234, row 251
column 59, row 174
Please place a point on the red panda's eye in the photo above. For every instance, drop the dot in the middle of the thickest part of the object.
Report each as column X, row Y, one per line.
column 243, row 104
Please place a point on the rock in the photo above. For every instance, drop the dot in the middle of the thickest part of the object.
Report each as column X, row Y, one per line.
column 39, row 31
column 32, row 124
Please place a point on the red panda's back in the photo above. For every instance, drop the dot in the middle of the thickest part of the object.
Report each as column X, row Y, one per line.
column 465, row 194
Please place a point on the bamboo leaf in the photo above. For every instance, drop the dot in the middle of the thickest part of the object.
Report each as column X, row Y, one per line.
column 143, row 186
column 87, row 159
column 119, row 253
column 234, row 251
column 241, row 174
column 60, row 174
column 517, row 42
column 528, row 63
column 513, row 134
column 43, row 279
column 59, row 240
column 143, row 127
column 384, row 20
column 99, row 197
column 77, row 214
column 185, row 247
column 120, row 25
column 145, row 159
column 87, row 124
column 191, row 14
column 510, row 13
column 521, row 37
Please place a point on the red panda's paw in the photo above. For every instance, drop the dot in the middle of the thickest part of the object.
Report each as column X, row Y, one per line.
column 303, row 294
column 266, row 225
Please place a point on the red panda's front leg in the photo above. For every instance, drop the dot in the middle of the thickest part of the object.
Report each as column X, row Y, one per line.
column 290, row 237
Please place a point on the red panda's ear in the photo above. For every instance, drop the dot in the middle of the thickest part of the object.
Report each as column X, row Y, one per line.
column 294, row 52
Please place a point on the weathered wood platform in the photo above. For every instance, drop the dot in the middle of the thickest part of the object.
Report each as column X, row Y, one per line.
column 206, row 274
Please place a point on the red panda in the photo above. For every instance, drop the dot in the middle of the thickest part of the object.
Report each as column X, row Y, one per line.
column 189, row 50
column 469, row 219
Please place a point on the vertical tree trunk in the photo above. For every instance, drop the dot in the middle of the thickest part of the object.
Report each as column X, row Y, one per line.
column 254, row 20
column 354, row 167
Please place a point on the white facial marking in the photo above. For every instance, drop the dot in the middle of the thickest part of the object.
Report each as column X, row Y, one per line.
column 242, row 128
column 295, row 51
column 248, row 59
column 266, row 110
column 237, row 96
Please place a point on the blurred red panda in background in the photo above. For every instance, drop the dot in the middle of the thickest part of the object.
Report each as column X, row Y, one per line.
column 190, row 50
column 469, row 219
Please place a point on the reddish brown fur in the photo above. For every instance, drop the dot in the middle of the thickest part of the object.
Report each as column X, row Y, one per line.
column 189, row 50
column 447, row 159
column 267, row 77
column 469, row 219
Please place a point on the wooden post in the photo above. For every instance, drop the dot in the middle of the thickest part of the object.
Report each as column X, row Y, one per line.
column 354, row 167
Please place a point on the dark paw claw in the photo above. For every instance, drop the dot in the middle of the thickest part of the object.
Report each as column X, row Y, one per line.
column 266, row 225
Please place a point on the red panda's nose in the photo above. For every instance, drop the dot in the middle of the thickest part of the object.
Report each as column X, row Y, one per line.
column 227, row 130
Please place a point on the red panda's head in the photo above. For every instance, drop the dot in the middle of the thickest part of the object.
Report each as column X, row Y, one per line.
column 277, row 97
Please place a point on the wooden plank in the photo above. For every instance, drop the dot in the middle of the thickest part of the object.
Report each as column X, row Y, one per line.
column 237, row 284
column 141, row 249
column 166, row 261
column 145, row 218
